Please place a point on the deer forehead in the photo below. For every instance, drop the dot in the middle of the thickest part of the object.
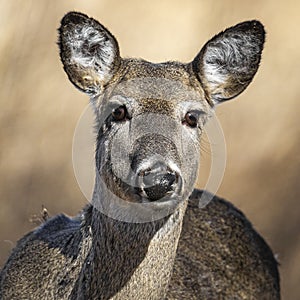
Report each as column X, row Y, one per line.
column 157, row 88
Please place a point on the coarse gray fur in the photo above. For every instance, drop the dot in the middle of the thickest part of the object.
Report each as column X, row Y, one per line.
column 188, row 253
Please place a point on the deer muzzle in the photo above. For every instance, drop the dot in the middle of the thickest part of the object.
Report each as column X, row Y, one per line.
column 158, row 181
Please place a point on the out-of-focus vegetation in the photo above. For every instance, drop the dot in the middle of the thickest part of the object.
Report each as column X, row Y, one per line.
column 40, row 108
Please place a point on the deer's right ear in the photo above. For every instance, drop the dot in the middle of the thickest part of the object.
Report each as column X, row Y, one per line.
column 89, row 52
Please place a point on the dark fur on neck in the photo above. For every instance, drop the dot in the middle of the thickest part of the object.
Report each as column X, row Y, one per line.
column 117, row 249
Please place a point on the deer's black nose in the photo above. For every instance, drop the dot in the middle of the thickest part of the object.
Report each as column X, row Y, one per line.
column 158, row 181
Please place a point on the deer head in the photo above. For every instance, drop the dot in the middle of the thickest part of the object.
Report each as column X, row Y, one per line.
column 150, row 116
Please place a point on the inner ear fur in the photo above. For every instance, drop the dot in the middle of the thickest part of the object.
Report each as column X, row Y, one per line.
column 89, row 52
column 228, row 62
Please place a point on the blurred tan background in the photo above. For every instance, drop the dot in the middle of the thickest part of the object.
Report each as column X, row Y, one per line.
column 40, row 109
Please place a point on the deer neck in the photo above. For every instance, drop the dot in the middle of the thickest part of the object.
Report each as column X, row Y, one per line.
column 131, row 260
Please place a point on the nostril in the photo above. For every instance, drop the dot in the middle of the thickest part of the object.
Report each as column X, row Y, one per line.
column 144, row 173
column 168, row 180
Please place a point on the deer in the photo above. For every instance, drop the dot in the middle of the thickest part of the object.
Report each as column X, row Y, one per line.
column 143, row 235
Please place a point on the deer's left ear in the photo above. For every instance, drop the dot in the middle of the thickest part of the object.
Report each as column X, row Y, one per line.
column 228, row 62
column 89, row 52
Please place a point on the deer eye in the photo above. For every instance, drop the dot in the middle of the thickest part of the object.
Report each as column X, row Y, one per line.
column 119, row 113
column 191, row 119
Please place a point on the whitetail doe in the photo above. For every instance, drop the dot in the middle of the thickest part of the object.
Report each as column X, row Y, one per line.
column 144, row 236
